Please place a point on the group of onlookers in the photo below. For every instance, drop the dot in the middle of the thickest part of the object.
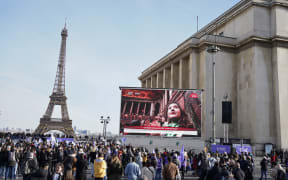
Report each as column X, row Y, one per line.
column 111, row 160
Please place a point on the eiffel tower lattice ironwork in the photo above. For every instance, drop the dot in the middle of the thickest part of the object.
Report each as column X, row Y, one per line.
column 58, row 97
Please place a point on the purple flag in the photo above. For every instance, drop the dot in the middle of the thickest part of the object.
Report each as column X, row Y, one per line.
column 182, row 154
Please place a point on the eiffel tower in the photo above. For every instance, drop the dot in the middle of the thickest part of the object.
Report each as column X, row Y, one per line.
column 58, row 97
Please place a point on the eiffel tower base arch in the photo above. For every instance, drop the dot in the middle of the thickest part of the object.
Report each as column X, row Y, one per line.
column 48, row 124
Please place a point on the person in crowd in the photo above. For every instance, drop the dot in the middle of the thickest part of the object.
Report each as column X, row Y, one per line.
column 170, row 170
column 248, row 168
column 148, row 171
column 81, row 166
column 41, row 173
column 273, row 171
column 159, row 166
column 92, row 157
column 115, row 169
column 238, row 172
column 264, row 164
column 100, row 167
column 213, row 171
column 68, row 167
column 2, row 162
column 58, row 173
column 29, row 165
column 11, row 163
column 138, row 159
column 281, row 173
column 132, row 170
column 59, row 155
column 43, row 156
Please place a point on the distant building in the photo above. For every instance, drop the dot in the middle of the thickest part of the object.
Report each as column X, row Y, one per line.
column 251, row 67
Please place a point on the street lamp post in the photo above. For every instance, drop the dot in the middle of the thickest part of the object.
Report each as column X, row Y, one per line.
column 104, row 122
column 213, row 49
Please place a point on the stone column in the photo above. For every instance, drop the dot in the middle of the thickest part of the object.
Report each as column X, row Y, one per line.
column 154, row 81
column 193, row 71
column 148, row 83
column 280, row 83
column 159, row 83
column 183, row 74
column 180, row 80
column 143, row 84
column 175, row 75
column 167, row 77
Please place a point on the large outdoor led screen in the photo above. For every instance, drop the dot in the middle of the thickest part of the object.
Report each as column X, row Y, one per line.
column 160, row 112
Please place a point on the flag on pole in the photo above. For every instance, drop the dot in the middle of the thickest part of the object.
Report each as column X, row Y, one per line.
column 182, row 154
column 53, row 140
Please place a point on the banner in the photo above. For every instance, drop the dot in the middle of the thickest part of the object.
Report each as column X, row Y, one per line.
column 243, row 148
column 160, row 112
column 268, row 148
column 59, row 140
column 220, row 148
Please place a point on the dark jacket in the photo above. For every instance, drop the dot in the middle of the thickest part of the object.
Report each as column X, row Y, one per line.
column 212, row 172
column 2, row 160
column 248, row 170
column 11, row 162
column 32, row 165
column 41, row 174
column 42, row 157
column 92, row 156
column 60, row 177
column 264, row 164
column 81, row 167
column 238, row 174
column 114, row 168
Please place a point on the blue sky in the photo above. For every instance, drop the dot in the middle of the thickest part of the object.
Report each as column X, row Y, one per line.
column 109, row 44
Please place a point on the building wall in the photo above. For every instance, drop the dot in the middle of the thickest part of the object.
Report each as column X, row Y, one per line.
column 251, row 68
column 281, row 24
column 282, row 67
column 241, row 26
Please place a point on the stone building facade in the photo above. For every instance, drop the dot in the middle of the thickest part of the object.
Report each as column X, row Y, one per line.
column 251, row 66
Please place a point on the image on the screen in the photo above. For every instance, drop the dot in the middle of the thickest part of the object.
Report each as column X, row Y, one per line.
column 160, row 112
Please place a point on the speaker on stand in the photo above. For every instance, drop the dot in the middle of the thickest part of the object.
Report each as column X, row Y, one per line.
column 226, row 118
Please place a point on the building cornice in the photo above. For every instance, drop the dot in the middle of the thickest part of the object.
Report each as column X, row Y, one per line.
column 202, row 37
column 153, row 69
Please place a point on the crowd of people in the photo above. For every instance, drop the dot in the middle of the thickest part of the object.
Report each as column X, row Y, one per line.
column 38, row 158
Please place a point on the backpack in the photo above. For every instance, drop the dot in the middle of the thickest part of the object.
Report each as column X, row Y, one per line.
column 25, row 169
column 11, row 156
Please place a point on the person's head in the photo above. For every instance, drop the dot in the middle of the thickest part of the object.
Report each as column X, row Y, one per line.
column 169, row 159
column 59, row 168
column 132, row 159
column 174, row 112
column 45, row 166
column 238, row 165
column 100, row 155
column 148, row 163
